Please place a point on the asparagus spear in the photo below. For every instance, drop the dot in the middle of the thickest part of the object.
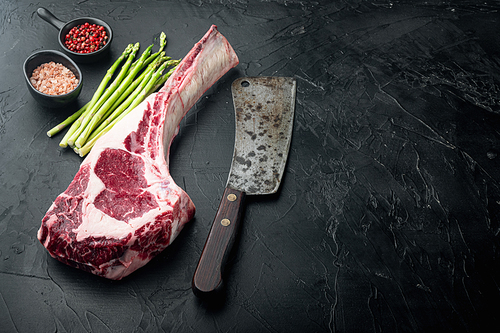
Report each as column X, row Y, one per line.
column 90, row 113
column 98, row 113
column 162, row 79
column 135, row 88
column 146, row 91
column 137, row 96
column 152, row 57
column 95, row 97
column 122, row 106
column 56, row 129
column 159, row 53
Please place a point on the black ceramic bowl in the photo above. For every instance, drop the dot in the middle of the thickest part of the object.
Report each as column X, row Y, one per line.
column 65, row 27
column 41, row 57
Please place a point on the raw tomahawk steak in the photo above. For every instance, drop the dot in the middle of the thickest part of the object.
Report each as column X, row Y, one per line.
column 123, row 207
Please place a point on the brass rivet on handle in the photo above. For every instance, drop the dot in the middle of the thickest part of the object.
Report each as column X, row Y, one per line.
column 231, row 197
column 225, row 222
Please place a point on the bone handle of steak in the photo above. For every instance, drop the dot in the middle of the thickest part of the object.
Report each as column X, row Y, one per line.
column 207, row 278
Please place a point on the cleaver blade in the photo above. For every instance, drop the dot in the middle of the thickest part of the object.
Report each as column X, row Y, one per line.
column 264, row 111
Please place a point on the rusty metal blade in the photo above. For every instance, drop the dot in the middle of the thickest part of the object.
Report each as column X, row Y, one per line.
column 264, row 109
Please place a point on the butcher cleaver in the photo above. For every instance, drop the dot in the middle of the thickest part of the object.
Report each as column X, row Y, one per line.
column 264, row 109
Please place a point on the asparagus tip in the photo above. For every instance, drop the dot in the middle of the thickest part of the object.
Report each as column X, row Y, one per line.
column 128, row 48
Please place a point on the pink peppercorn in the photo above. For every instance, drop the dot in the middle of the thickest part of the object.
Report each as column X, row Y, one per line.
column 86, row 38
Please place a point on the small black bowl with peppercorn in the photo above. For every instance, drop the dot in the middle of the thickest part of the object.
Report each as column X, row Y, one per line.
column 85, row 39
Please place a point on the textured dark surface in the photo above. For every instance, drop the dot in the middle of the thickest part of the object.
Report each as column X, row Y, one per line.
column 388, row 217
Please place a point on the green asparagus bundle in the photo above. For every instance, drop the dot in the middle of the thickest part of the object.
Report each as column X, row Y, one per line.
column 135, row 81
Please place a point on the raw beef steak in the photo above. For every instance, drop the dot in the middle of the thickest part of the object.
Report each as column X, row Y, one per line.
column 123, row 207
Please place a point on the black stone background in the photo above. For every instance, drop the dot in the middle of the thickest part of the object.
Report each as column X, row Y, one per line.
column 388, row 216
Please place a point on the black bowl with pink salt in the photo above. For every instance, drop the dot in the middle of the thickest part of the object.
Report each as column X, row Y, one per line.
column 53, row 79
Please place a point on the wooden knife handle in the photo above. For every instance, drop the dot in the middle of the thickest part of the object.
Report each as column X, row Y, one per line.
column 207, row 278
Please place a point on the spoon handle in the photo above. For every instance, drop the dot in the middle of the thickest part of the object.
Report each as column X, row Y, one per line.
column 49, row 17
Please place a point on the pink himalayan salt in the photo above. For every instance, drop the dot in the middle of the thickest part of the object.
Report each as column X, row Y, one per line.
column 53, row 79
